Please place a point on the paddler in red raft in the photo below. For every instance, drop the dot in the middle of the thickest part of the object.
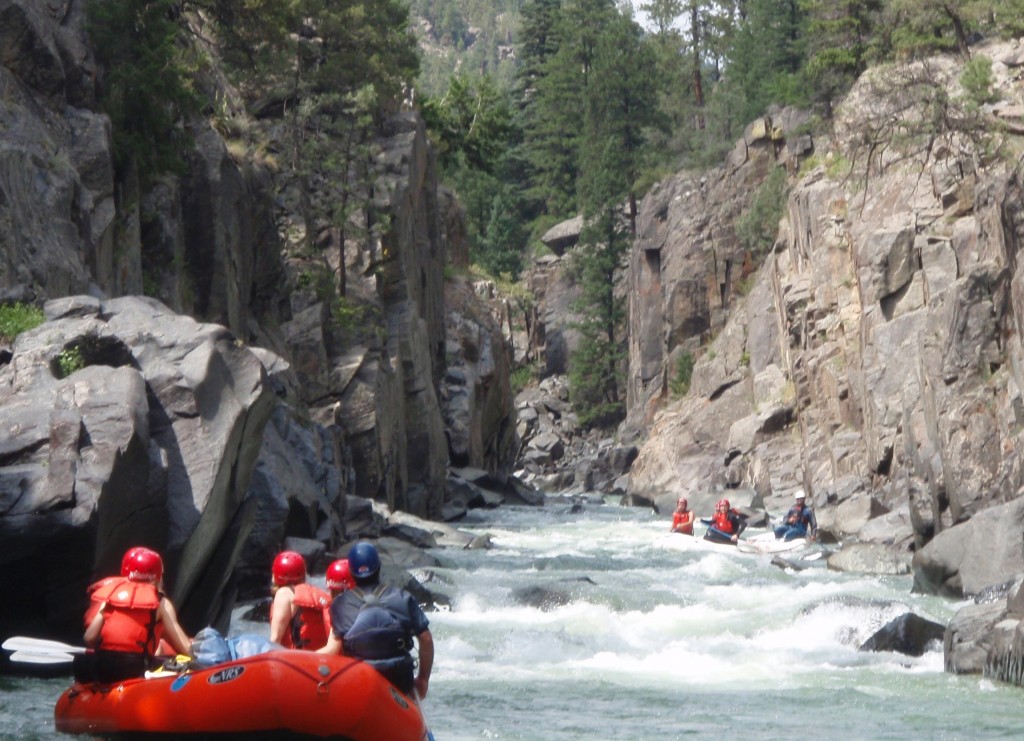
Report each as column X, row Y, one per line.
column 297, row 612
column 130, row 622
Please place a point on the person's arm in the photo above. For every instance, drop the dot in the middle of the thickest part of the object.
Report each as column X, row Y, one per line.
column 281, row 614
column 741, row 525
column 92, row 633
column 425, row 642
column 173, row 632
column 812, row 524
column 332, row 647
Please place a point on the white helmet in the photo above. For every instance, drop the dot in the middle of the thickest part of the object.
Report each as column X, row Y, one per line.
column 799, row 494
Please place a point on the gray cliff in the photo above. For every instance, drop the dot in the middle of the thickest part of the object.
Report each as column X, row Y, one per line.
column 188, row 389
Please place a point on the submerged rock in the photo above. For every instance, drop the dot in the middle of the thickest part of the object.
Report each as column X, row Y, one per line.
column 908, row 634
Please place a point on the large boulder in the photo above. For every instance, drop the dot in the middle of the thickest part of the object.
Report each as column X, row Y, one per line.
column 124, row 424
column 964, row 560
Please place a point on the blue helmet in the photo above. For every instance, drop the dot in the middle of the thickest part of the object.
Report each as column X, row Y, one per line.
column 363, row 560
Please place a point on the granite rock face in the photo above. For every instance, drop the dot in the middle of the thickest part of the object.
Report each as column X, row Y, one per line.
column 874, row 359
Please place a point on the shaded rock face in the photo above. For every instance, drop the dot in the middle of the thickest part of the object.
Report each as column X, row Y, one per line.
column 385, row 396
column 476, row 396
column 553, row 336
column 69, row 227
column 152, row 440
column 874, row 363
column 57, row 207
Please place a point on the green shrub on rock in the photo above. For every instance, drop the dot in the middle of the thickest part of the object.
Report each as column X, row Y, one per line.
column 17, row 318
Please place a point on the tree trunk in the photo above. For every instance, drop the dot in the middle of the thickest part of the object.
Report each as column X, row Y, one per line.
column 698, row 80
column 958, row 30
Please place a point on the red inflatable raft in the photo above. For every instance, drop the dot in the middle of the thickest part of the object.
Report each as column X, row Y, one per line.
column 282, row 693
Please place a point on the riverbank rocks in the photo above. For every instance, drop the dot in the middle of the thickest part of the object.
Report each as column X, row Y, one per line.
column 964, row 560
column 869, row 558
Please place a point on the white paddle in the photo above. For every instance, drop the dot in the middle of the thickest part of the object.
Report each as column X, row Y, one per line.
column 27, row 657
column 40, row 646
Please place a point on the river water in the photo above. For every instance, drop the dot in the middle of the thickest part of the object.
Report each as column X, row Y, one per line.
column 647, row 639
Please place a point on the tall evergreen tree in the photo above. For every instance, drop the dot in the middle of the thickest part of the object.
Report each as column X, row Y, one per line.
column 675, row 103
column 537, row 42
column 148, row 84
column 708, row 26
column 663, row 13
column 621, row 111
column 584, row 22
column 552, row 128
column 839, row 35
column 766, row 54
column 621, row 106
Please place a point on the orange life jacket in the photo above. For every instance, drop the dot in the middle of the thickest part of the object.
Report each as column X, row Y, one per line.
column 307, row 630
column 129, row 618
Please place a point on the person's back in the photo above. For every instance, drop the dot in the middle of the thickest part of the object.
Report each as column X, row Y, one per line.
column 296, row 613
column 377, row 623
column 128, row 620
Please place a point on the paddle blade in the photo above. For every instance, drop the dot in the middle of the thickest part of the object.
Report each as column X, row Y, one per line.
column 26, row 657
column 39, row 646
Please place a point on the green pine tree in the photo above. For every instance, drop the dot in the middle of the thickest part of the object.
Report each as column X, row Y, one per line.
column 766, row 54
column 621, row 105
column 500, row 251
column 148, row 77
column 839, row 34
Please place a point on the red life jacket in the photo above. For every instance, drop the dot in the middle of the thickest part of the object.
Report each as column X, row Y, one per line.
column 129, row 619
column 721, row 521
column 679, row 518
column 307, row 630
